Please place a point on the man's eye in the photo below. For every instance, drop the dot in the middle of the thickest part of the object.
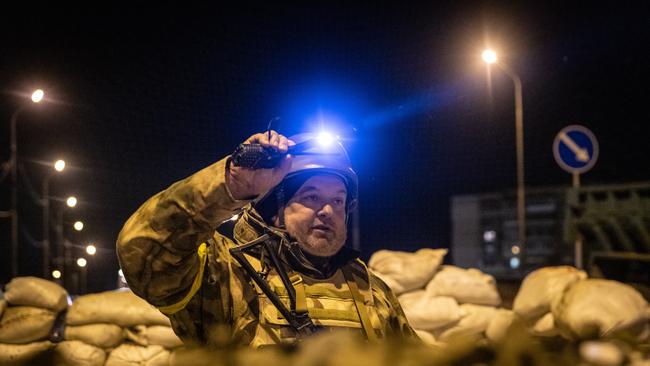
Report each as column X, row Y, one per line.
column 311, row 198
column 339, row 202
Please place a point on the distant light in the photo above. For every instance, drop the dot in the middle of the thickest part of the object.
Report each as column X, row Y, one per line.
column 489, row 56
column 56, row 273
column 78, row 225
column 71, row 201
column 489, row 236
column 91, row 249
column 81, row 262
column 515, row 249
column 514, row 262
column 37, row 95
column 59, row 165
column 325, row 138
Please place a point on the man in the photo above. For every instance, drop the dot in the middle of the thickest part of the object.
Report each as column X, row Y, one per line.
column 282, row 274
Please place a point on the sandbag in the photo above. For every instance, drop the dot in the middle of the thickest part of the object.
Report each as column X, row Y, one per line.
column 427, row 312
column 473, row 323
column 545, row 326
column 598, row 308
column 541, row 287
column 426, row 337
column 25, row 324
column 154, row 335
column 117, row 307
column 131, row 355
column 99, row 335
column 499, row 324
column 23, row 354
column 603, row 354
column 410, row 270
column 36, row 292
column 77, row 353
column 465, row 285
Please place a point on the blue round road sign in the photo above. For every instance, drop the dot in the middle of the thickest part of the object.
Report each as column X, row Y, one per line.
column 575, row 149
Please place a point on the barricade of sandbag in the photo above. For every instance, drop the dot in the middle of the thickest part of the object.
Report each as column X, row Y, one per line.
column 28, row 313
column 442, row 302
column 552, row 301
column 116, row 328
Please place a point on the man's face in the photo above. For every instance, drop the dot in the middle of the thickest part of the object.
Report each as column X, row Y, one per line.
column 315, row 215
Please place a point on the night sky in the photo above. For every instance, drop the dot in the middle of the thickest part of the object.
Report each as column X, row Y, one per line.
column 138, row 98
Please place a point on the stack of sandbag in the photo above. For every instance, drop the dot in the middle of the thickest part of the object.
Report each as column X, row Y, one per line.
column 442, row 302
column 28, row 312
column 116, row 328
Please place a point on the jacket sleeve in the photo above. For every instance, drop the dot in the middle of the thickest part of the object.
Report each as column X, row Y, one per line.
column 398, row 325
column 159, row 247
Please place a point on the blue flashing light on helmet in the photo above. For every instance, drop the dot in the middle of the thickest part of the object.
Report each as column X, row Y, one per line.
column 325, row 138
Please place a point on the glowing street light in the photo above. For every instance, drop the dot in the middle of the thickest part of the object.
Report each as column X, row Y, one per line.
column 59, row 165
column 71, row 201
column 78, row 225
column 56, row 274
column 37, row 95
column 91, row 249
column 81, row 262
column 490, row 57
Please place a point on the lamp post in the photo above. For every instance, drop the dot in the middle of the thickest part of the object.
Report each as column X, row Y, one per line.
column 490, row 57
column 62, row 252
column 37, row 96
column 59, row 165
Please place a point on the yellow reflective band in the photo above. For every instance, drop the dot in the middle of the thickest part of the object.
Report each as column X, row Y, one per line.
column 196, row 285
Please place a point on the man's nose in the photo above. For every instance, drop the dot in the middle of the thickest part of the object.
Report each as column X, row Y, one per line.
column 326, row 210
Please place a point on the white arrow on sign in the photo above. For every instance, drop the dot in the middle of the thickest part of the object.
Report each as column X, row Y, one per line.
column 582, row 155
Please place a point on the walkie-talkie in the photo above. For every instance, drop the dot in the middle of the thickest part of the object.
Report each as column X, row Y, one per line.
column 256, row 156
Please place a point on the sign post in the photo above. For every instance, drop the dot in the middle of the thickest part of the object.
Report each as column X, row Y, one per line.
column 575, row 149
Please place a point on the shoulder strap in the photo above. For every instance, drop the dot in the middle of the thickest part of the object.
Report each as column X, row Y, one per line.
column 360, row 303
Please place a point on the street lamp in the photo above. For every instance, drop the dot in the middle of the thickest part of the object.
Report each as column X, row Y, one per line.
column 78, row 225
column 37, row 96
column 59, row 165
column 71, row 201
column 91, row 249
column 490, row 57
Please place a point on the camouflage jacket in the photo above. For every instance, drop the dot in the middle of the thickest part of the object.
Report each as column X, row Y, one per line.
column 173, row 257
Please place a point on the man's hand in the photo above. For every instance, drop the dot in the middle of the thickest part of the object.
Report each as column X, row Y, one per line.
column 246, row 183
